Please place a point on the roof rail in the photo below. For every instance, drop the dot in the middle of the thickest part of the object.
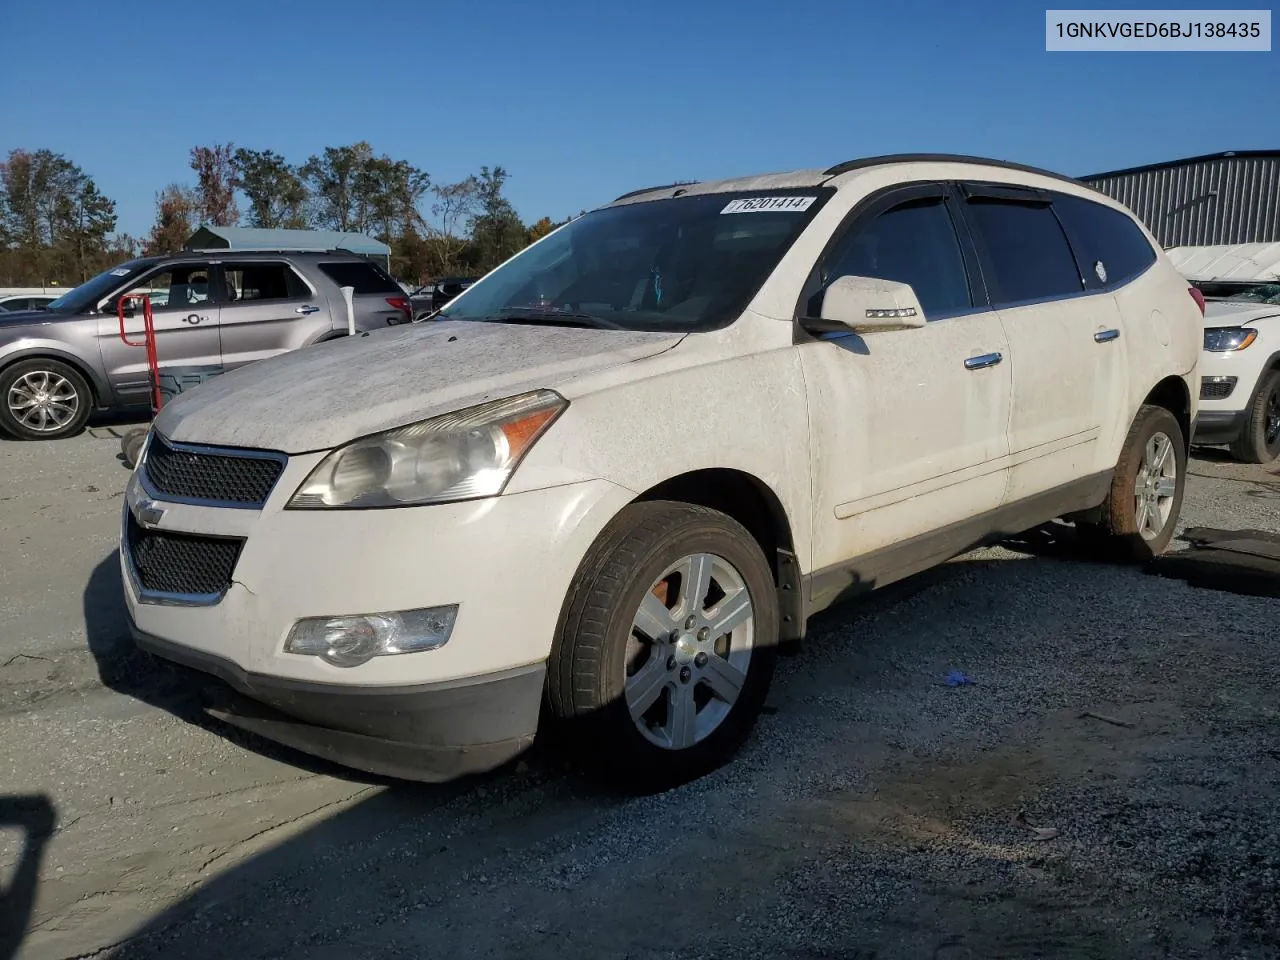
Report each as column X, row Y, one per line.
column 664, row 186
column 851, row 165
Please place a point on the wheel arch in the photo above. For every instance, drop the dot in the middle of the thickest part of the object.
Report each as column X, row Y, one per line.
column 1173, row 394
column 754, row 504
column 100, row 391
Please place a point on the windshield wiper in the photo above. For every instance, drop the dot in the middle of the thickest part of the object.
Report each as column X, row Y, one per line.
column 557, row 318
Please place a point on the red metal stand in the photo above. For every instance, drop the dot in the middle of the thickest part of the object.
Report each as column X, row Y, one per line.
column 148, row 341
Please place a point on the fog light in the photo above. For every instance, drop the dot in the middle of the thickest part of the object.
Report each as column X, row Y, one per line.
column 351, row 641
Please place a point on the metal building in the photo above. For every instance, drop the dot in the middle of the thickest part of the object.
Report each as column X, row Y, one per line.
column 1220, row 198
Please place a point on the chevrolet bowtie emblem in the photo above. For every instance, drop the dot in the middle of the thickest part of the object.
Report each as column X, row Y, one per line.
column 148, row 512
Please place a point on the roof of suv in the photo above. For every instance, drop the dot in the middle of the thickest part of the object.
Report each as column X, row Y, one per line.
column 816, row 177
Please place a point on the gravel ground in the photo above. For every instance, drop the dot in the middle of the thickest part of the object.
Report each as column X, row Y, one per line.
column 873, row 814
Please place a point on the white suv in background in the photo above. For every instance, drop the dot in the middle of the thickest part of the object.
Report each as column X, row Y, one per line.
column 1240, row 370
column 613, row 478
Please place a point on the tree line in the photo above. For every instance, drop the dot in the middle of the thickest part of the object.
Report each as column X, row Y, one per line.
column 57, row 228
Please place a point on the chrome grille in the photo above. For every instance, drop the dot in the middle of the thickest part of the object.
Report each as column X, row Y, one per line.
column 1216, row 388
column 181, row 563
column 210, row 474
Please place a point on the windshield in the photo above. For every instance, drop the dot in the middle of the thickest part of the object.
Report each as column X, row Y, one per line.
column 686, row 264
column 86, row 296
column 1242, row 291
column 1262, row 293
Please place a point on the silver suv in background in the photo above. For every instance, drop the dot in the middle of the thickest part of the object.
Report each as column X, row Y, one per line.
column 215, row 310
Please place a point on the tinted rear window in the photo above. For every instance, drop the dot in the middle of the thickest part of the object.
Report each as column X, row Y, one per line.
column 1107, row 237
column 1027, row 252
column 363, row 277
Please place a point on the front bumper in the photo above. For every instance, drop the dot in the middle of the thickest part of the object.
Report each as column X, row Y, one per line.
column 1218, row 426
column 429, row 732
column 469, row 705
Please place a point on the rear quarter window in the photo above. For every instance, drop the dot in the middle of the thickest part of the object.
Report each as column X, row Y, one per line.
column 362, row 277
column 1111, row 247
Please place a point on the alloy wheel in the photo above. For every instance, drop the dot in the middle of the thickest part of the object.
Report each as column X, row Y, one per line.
column 43, row 401
column 1155, row 487
column 689, row 651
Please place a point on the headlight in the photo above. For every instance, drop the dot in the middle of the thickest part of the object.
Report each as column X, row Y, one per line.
column 457, row 456
column 1227, row 339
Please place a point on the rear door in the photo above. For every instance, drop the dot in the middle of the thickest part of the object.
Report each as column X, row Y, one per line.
column 1057, row 332
column 268, row 308
column 186, row 325
column 378, row 300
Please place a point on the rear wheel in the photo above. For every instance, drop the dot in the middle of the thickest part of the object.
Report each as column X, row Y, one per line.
column 667, row 645
column 43, row 399
column 1141, row 510
column 1259, row 441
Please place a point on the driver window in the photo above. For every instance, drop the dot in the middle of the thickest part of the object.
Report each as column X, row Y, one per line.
column 914, row 242
column 179, row 287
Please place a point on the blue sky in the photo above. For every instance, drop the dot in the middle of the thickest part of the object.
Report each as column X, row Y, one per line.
column 581, row 101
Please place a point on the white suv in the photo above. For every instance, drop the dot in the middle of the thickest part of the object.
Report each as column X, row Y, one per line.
column 1240, row 370
column 619, row 474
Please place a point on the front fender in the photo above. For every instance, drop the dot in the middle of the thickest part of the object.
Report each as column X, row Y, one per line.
column 22, row 348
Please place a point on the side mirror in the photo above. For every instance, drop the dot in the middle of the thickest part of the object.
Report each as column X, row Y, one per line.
column 866, row 305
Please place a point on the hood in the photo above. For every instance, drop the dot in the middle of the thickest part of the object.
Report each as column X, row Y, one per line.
column 1232, row 313
column 328, row 394
column 15, row 318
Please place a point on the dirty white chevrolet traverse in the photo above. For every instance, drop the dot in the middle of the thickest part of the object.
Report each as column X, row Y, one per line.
column 615, row 477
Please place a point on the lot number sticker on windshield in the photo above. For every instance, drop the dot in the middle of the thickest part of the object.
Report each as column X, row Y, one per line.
column 120, row 272
column 765, row 204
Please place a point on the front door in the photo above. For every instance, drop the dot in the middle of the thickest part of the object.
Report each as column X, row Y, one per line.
column 186, row 327
column 908, row 427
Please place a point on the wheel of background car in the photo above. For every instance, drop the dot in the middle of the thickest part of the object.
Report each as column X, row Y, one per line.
column 666, row 646
column 43, row 399
column 1259, row 440
column 1141, row 511
column 131, row 445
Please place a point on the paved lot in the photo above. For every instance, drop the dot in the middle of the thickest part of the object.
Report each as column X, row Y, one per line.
column 871, row 816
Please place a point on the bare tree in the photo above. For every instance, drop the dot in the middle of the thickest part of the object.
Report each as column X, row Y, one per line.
column 455, row 206
column 215, row 184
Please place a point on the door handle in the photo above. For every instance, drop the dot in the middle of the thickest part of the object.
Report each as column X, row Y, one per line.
column 307, row 310
column 192, row 318
column 983, row 360
column 1106, row 336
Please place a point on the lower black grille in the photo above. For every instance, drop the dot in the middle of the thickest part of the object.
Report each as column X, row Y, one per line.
column 183, row 563
column 1216, row 388
column 221, row 477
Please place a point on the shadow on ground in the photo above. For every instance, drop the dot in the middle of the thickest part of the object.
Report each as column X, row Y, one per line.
column 33, row 816
column 835, row 833
column 125, row 669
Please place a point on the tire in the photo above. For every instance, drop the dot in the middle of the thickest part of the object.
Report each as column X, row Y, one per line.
column 1123, row 535
column 131, row 445
column 1259, row 441
column 602, row 667
column 61, row 394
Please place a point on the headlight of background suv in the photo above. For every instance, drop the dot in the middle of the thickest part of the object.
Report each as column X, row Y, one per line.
column 457, row 456
column 1227, row 339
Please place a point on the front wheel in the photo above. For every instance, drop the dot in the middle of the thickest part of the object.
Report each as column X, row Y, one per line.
column 43, row 400
column 1259, row 441
column 1141, row 510
column 667, row 645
